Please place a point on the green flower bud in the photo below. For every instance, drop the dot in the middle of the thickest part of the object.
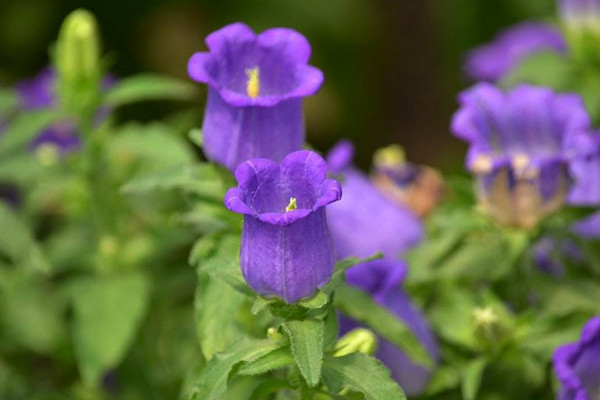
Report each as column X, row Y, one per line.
column 77, row 61
column 78, row 47
column 489, row 327
column 360, row 339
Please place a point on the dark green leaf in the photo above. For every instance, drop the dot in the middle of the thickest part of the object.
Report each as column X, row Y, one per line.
column 360, row 306
column 211, row 384
column 148, row 87
column 306, row 338
column 363, row 374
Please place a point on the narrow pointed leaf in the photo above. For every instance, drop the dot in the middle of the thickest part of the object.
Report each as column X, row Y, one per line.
column 306, row 338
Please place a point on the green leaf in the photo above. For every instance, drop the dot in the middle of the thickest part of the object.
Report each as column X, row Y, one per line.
column 31, row 312
column 268, row 387
column 444, row 378
column 24, row 127
column 20, row 168
column 452, row 316
column 216, row 305
column 156, row 145
column 196, row 137
column 363, row 374
column 8, row 101
column 202, row 180
column 276, row 359
column 225, row 264
column 545, row 68
column 148, row 87
column 472, row 378
column 360, row 306
column 319, row 300
column 108, row 312
column 306, row 339
column 211, row 384
column 17, row 242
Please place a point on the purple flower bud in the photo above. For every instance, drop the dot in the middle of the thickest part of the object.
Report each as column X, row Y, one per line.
column 256, row 85
column 287, row 250
column 589, row 227
column 521, row 143
column 492, row 61
column 577, row 365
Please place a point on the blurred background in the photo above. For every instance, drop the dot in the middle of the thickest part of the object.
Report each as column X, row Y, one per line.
column 392, row 67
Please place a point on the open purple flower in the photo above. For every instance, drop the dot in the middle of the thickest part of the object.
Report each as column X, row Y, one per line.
column 363, row 223
column 492, row 61
column 580, row 14
column 256, row 85
column 577, row 365
column 521, row 143
column 287, row 250
column 382, row 279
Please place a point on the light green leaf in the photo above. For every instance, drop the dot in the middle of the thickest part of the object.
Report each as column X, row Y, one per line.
column 360, row 373
column 31, row 312
column 24, row 127
column 211, row 384
column 17, row 242
column 545, row 68
column 108, row 312
column 306, row 338
column 156, row 145
column 452, row 316
column 360, row 306
column 276, row 359
column 196, row 137
column 8, row 101
column 216, row 305
column 317, row 301
column 148, row 87
column 20, row 168
column 202, row 180
column 472, row 376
